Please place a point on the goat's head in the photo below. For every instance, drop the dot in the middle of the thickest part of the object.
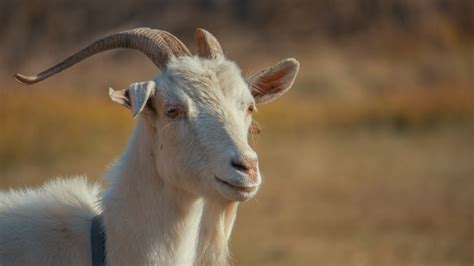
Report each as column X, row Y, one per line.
column 199, row 108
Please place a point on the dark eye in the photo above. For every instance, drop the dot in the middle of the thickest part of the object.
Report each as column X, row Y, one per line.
column 251, row 109
column 172, row 112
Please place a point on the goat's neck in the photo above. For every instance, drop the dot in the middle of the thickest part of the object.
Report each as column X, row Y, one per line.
column 149, row 222
column 215, row 229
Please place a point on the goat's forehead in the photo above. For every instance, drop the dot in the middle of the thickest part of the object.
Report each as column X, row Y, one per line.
column 197, row 78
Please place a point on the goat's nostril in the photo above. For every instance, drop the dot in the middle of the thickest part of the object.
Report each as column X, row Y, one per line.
column 240, row 165
column 244, row 165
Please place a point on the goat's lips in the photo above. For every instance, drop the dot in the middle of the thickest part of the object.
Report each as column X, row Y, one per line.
column 236, row 187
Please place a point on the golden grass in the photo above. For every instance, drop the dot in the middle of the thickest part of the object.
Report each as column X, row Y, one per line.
column 48, row 135
column 364, row 198
column 336, row 191
column 397, row 109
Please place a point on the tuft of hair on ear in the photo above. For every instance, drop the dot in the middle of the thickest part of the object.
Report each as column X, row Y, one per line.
column 255, row 128
column 254, row 131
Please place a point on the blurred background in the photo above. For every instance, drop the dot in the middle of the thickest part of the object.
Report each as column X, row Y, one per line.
column 368, row 160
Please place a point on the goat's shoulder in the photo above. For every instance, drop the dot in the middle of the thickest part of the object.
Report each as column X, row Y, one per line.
column 55, row 214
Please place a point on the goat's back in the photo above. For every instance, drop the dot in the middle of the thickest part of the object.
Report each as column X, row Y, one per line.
column 48, row 225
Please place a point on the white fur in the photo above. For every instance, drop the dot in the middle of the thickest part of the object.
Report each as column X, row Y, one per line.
column 48, row 225
column 164, row 205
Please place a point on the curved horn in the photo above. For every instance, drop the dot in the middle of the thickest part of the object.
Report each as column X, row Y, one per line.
column 158, row 45
column 208, row 45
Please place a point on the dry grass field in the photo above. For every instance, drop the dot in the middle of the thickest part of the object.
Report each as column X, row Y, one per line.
column 343, row 184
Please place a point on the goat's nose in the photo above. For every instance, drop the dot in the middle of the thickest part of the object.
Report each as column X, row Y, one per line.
column 245, row 164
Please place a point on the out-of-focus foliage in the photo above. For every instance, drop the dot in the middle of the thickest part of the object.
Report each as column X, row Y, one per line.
column 347, row 48
column 58, row 24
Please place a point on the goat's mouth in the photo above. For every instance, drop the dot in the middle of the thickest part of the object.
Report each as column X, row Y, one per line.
column 239, row 188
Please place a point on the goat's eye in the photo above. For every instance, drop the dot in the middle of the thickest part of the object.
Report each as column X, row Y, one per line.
column 251, row 109
column 172, row 112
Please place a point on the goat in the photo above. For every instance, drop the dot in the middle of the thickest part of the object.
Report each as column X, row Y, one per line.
column 174, row 192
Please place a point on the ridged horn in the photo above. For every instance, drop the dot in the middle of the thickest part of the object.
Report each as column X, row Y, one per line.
column 208, row 46
column 157, row 45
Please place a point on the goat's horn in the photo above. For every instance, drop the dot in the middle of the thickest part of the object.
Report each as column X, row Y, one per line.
column 208, row 46
column 158, row 45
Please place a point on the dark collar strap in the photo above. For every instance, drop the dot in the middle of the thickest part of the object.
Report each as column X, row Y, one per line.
column 97, row 241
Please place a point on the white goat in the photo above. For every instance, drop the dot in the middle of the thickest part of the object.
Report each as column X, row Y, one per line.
column 174, row 192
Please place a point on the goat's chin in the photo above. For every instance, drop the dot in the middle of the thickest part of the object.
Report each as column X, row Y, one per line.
column 233, row 193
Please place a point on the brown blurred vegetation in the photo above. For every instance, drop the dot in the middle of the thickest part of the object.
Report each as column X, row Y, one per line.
column 369, row 159
column 346, row 48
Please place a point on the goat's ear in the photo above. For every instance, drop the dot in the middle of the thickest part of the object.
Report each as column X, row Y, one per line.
column 272, row 82
column 135, row 97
